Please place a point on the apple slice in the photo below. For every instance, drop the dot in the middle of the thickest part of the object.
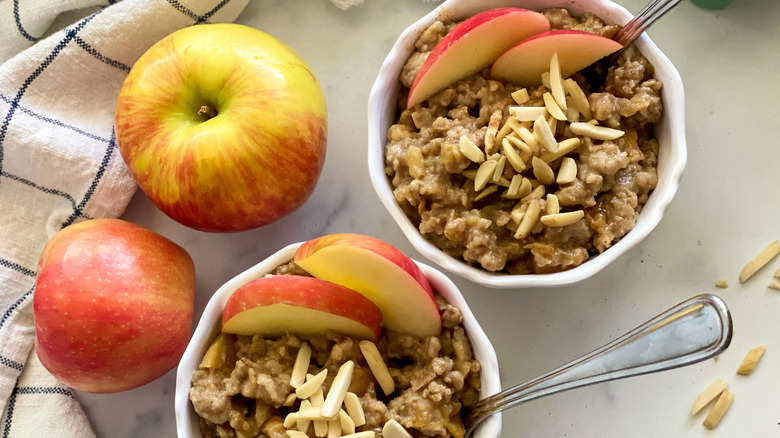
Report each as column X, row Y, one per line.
column 524, row 63
column 473, row 45
column 379, row 271
column 272, row 306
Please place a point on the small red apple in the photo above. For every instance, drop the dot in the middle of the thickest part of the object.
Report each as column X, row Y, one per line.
column 272, row 306
column 223, row 127
column 112, row 306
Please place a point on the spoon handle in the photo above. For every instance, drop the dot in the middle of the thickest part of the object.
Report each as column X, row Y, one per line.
column 690, row 332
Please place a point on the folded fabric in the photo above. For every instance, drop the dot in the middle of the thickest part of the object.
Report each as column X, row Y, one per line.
column 59, row 164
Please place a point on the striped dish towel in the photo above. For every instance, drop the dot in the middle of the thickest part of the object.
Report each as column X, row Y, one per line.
column 59, row 164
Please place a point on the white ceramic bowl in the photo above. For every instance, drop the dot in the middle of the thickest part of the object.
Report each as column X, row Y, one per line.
column 210, row 322
column 670, row 132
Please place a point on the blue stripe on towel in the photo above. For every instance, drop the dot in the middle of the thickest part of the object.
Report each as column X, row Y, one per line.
column 27, row 182
column 32, row 113
column 69, row 35
column 28, row 390
column 19, row 23
column 112, row 62
column 13, row 307
column 91, row 190
column 183, row 9
column 208, row 14
column 17, row 267
column 11, row 363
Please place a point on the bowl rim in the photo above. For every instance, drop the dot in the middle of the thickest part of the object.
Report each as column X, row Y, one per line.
column 208, row 327
column 386, row 85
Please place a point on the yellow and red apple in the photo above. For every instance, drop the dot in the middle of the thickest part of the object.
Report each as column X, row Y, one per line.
column 380, row 272
column 223, row 127
column 473, row 45
column 273, row 306
column 112, row 306
column 524, row 63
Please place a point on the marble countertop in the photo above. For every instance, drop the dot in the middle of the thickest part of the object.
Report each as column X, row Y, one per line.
column 725, row 212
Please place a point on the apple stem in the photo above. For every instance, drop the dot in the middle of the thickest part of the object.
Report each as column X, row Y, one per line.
column 207, row 111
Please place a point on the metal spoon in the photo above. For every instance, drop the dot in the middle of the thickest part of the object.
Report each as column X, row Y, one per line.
column 643, row 20
column 690, row 332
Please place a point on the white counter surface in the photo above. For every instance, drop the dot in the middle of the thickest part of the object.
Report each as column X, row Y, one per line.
column 726, row 211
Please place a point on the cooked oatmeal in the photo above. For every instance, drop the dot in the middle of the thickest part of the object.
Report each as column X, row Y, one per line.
column 434, row 181
column 243, row 395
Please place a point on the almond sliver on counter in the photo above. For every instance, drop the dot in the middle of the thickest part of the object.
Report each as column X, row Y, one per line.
column 751, row 360
column 708, row 395
column 759, row 261
column 719, row 409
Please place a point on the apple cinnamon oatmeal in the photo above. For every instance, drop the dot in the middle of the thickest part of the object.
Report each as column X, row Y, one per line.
column 505, row 178
column 245, row 389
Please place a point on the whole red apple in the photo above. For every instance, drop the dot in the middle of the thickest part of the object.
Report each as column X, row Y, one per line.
column 223, row 127
column 112, row 306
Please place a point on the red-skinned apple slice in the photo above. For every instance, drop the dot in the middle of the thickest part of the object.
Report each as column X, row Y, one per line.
column 524, row 63
column 379, row 271
column 272, row 306
column 473, row 45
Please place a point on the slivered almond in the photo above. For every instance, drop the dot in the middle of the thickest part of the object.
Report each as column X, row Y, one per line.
column 528, row 137
column 593, row 122
column 290, row 400
column 354, row 409
column 517, row 215
column 301, row 366
column 542, row 171
column 719, row 409
column 334, row 429
column 572, row 114
column 527, row 113
column 512, row 157
column 552, row 107
column 523, row 190
column 320, row 426
column 338, row 390
column 544, row 134
column 506, row 129
column 392, row 429
column 520, row 96
column 346, row 422
column 708, row 395
column 529, row 219
column 366, row 434
column 751, row 359
column 484, row 174
column 520, row 144
column 503, row 182
column 759, row 261
column 537, row 193
column 492, row 130
column 470, row 150
column 470, row 174
column 562, row 219
column 564, row 147
column 296, row 434
column 303, row 425
column 514, row 186
column 556, row 82
column 553, row 206
column 485, row 193
column 546, row 79
column 567, row 173
column 777, row 274
column 775, row 284
column 292, row 418
column 377, row 366
column 597, row 132
column 722, row 283
column 499, row 169
column 552, row 122
column 579, row 98
column 310, row 387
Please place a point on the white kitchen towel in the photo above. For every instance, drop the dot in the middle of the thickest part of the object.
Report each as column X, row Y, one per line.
column 59, row 163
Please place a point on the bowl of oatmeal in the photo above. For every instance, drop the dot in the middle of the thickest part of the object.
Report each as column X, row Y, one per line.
column 251, row 392
column 561, row 215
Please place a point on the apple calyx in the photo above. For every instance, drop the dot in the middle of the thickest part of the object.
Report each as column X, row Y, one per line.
column 207, row 111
